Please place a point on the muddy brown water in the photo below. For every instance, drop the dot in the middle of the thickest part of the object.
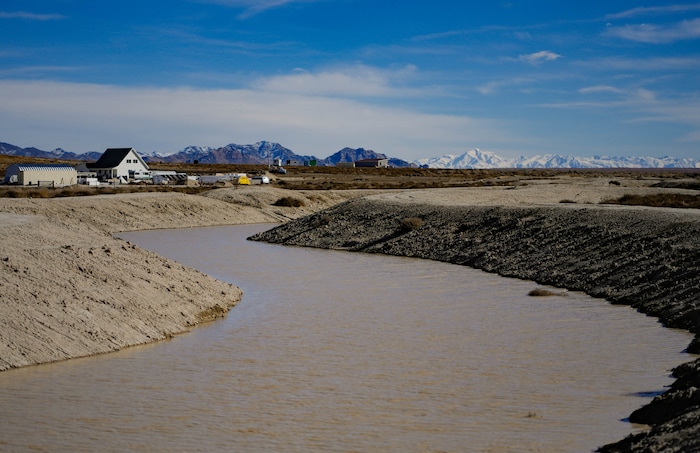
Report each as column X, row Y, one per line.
column 337, row 351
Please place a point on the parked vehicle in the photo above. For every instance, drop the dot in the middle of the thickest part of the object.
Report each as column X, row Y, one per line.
column 140, row 175
column 260, row 180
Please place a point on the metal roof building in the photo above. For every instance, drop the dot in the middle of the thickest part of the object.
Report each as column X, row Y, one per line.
column 51, row 175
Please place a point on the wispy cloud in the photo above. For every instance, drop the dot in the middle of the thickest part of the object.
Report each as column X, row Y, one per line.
column 539, row 57
column 442, row 35
column 253, row 7
column 600, row 89
column 362, row 81
column 495, row 86
column 642, row 64
column 654, row 10
column 638, row 98
column 30, row 16
column 656, row 34
column 24, row 71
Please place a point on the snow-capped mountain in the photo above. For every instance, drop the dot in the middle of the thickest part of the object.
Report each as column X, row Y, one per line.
column 474, row 158
column 479, row 159
column 265, row 152
column 258, row 153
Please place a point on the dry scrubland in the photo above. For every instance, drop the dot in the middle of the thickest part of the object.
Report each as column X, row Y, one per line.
column 70, row 289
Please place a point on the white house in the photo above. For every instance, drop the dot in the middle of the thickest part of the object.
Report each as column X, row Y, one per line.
column 52, row 175
column 118, row 163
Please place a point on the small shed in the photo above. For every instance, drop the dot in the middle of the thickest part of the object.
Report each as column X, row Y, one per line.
column 118, row 163
column 374, row 163
column 49, row 175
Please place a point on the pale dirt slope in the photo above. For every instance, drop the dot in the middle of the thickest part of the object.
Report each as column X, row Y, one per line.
column 69, row 289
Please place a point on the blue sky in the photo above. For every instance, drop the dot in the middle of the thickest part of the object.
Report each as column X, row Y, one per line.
column 409, row 79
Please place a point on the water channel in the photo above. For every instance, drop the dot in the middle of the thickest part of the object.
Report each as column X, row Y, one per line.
column 340, row 352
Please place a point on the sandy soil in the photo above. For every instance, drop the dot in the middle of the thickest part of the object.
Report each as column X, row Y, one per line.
column 534, row 192
column 69, row 289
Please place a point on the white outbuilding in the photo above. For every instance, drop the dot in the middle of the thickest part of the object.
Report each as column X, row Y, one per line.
column 49, row 175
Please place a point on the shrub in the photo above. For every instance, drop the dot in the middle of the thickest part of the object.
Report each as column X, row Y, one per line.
column 411, row 223
column 289, row 202
column 323, row 220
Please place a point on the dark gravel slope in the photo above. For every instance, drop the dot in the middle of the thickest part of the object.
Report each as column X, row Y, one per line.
column 646, row 258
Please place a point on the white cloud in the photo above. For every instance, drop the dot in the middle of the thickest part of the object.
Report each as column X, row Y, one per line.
column 539, row 57
column 655, row 34
column 84, row 117
column 354, row 81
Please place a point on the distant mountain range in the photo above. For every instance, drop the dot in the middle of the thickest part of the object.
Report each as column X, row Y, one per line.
column 58, row 153
column 262, row 153
column 476, row 158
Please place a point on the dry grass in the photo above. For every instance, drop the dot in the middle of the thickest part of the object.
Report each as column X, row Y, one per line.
column 289, row 202
column 668, row 200
column 81, row 191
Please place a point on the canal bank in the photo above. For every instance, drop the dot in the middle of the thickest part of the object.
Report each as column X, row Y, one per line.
column 646, row 258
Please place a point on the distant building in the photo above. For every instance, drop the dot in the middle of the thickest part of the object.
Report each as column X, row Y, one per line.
column 118, row 163
column 345, row 164
column 50, row 175
column 374, row 163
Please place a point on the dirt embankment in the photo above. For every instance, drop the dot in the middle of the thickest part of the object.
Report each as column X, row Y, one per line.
column 647, row 258
column 68, row 288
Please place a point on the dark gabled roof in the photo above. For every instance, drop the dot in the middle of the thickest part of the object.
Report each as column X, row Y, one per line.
column 373, row 159
column 111, row 158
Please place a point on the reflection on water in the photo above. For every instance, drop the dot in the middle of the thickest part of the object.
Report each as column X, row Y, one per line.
column 335, row 351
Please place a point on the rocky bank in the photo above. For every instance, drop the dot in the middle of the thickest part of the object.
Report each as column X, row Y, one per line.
column 644, row 257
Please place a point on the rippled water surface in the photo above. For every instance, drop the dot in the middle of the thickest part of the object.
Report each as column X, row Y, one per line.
column 337, row 351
